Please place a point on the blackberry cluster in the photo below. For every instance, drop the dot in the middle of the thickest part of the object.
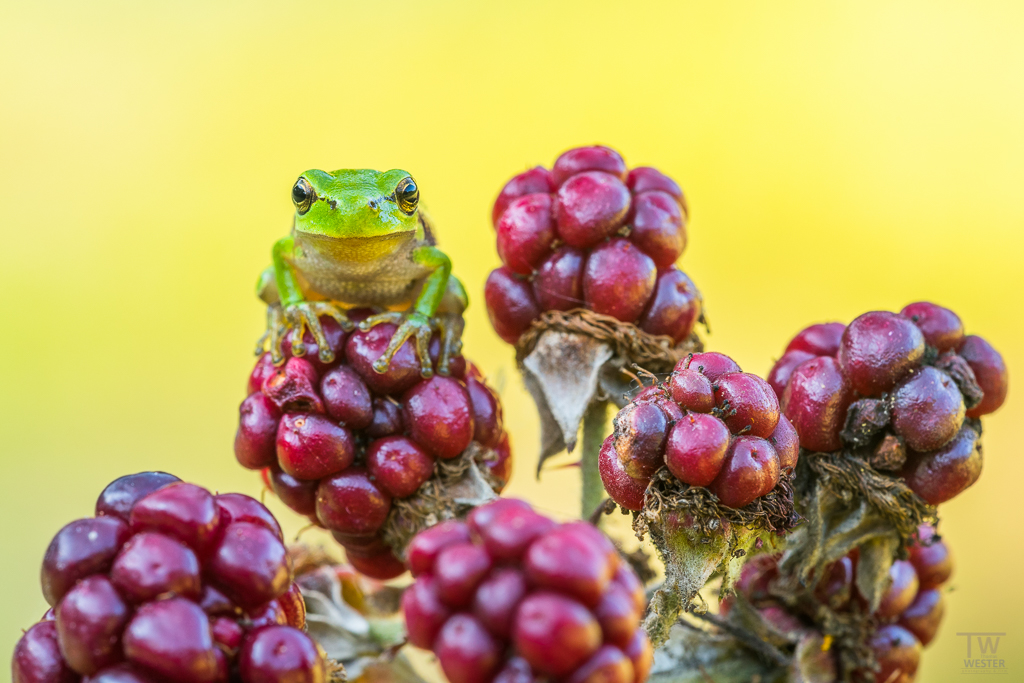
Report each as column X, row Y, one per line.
column 905, row 621
column 511, row 596
column 169, row 583
column 904, row 388
column 591, row 234
column 340, row 441
column 710, row 425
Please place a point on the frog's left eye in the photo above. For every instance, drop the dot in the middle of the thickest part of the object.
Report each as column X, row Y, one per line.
column 303, row 195
column 407, row 195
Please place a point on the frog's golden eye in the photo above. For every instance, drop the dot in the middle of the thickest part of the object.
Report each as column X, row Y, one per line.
column 303, row 195
column 407, row 195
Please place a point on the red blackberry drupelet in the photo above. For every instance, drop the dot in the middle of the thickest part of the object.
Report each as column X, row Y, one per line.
column 711, row 425
column 510, row 595
column 340, row 442
column 910, row 382
column 592, row 234
column 169, row 583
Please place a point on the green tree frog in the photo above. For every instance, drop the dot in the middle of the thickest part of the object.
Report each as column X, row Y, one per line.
column 361, row 239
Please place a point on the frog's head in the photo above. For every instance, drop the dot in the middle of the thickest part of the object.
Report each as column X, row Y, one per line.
column 356, row 203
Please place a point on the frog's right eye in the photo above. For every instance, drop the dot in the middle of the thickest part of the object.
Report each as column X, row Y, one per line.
column 303, row 195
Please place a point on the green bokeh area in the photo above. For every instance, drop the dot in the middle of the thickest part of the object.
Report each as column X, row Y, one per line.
column 837, row 158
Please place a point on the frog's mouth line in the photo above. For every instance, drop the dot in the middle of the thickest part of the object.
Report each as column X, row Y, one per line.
column 358, row 249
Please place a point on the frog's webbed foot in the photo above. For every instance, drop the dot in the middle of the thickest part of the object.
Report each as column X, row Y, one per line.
column 274, row 334
column 451, row 326
column 306, row 315
column 410, row 325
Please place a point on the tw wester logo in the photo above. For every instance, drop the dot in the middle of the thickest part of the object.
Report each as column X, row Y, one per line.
column 983, row 653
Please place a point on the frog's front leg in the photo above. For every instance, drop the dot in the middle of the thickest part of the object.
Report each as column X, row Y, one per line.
column 299, row 314
column 420, row 321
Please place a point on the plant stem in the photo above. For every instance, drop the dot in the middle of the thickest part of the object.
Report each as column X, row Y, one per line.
column 595, row 421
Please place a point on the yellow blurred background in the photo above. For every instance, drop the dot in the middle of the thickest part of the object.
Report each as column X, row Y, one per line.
column 837, row 157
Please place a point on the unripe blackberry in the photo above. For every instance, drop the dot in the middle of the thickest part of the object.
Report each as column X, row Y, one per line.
column 173, row 595
column 713, row 439
column 916, row 379
column 878, row 349
column 587, row 200
column 348, row 441
column 511, row 595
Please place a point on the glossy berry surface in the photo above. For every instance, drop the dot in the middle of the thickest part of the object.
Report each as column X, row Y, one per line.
column 358, row 440
column 751, row 469
column 990, row 371
column 172, row 595
column 938, row 476
column 710, row 424
column 927, row 409
column 878, row 349
column 592, row 234
column 910, row 380
column 511, row 595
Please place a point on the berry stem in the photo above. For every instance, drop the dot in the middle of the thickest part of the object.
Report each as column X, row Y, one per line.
column 595, row 421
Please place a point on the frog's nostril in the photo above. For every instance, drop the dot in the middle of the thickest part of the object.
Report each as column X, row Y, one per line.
column 373, row 203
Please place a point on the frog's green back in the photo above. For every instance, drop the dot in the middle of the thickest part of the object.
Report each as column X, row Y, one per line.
column 357, row 203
